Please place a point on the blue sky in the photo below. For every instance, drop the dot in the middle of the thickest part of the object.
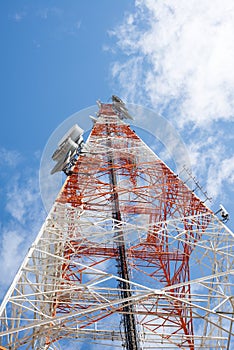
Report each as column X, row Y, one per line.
column 58, row 57
column 53, row 63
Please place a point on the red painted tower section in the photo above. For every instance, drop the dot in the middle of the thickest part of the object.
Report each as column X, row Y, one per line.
column 154, row 192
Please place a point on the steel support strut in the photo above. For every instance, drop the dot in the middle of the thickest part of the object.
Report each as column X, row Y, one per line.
column 131, row 342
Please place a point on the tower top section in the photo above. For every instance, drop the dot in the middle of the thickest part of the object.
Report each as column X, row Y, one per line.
column 70, row 146
column 117, row 107
column 105, row 108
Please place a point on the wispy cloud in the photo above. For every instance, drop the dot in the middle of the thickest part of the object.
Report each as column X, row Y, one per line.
column 11, row 253
column 220, row 173
column 212, row 159
column 45, row 13
column 184, row 53
column 66, row 21
column 9, row 158
column 19, row 16
column 22, row 212
column 22, row 196
column 36, row 44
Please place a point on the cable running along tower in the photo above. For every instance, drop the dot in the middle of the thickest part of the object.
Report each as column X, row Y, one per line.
column 128, row 257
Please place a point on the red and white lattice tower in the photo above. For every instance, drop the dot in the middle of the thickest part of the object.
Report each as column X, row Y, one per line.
column 128, row 257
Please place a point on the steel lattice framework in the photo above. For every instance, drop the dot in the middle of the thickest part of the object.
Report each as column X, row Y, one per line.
column 128, row 257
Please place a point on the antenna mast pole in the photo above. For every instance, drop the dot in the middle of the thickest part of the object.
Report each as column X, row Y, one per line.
column 124, row 285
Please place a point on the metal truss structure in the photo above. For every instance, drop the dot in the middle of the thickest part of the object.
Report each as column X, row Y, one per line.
column 129, row 257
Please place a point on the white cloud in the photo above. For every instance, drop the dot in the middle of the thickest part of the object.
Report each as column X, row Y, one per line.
column 18, row 16
column 220, row 174
column 22, row 211
column 36, row 44
column 213, row 165
column 77, row 25
column 182, row 54
column 9, row 158
column 45, row 13
column 11, row 254
column 23, row 198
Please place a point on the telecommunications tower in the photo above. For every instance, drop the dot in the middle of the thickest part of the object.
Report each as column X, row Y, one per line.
column 129, row 257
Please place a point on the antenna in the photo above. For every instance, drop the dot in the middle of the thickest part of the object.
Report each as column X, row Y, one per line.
column 223, row 212
column 120, row 108
column 69, row 148
column 198, row 188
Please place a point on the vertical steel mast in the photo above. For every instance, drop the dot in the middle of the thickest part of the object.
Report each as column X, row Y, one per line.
column 124, row 285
